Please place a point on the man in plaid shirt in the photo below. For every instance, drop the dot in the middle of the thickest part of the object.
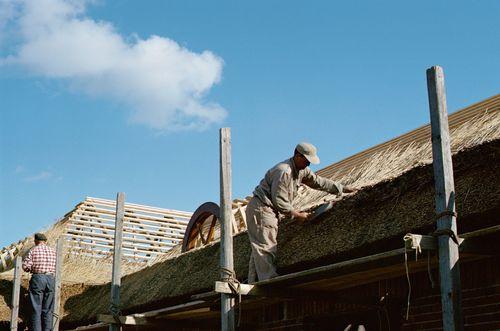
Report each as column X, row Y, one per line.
column 41, row 262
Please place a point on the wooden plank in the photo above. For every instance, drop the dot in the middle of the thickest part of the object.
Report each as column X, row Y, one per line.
column 141, row 258
column 334, row 269
column 227, row 302
column 125, row 320
column 172, row 309
column 481, row 243
column 130, row 240
column 131, row 212
column 134, row 206
column 132, row 252
column 90, row 327
column 134, row 217
column 482, row 232
column 245, row 289
column 16, row 290
column 128, row 230
column 164, row 218
column 445, row 201
column 205, row 296
column 134, row 319
column 127, row 243
column 117, row 260
column 188, row 313
column 58, row 277
column 94, row 219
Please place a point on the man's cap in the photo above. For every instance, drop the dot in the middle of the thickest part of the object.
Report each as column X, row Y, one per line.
column 40, row 237
column 309, row 151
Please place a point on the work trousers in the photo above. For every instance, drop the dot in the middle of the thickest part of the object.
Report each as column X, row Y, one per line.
column 41, row 293
column 262, row 229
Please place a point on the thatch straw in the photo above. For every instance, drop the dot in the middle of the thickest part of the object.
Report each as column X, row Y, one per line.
column 396, row 197
column 22, row 247
column 372, row 221
column 397, row 160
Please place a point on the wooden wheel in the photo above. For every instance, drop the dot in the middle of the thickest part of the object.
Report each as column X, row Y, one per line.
column 201, row 227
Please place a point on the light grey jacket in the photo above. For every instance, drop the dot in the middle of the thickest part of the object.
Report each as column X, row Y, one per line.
column 280, row 184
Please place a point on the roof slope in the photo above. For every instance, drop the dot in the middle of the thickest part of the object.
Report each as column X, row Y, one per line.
column 149, row 233
column 399, row 199
column 417, row 136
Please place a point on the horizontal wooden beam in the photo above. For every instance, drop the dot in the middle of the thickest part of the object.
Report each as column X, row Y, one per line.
column 132, row 228
column 75, row 243
column 138, row 207
column 137, row 219
column 173, row 309
column 147, row 318
column 287, row 294
column 245, row 289
column 125, row 320
column 90, row 327
column 137, row 320
column 187, row 313
column 344, row 267
column 479, row 242
column 128, row 242
column 138, row 259
column 136, row 222
column 167, row 218
column 131, row 240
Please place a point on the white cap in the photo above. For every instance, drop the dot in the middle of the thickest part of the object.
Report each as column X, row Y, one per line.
column 309, row 151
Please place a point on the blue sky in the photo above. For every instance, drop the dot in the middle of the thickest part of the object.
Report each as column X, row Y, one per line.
column 102, row 96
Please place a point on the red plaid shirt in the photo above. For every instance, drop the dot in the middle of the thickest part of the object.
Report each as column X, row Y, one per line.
column 41, row 259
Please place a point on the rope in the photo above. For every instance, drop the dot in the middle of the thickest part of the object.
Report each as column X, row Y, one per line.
column 115, row 311
column 446, row 213
column 446, row 232
column 429, row 273
column 415, row 244
column 229, row 276
column 56, row 318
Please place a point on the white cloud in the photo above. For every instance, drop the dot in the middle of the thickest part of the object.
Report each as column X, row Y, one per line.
column 44, row 175
column 163, row 83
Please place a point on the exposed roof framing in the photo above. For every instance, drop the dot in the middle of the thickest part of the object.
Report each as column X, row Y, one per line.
column 147, row 233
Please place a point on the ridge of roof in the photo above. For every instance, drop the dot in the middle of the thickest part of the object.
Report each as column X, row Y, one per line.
column 418, row 135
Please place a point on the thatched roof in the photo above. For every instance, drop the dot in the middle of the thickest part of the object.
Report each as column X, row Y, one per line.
column 397, row 197
column 149, row 233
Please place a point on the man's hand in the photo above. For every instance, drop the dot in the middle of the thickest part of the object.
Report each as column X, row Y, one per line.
column 348, row 189
column 300, row 216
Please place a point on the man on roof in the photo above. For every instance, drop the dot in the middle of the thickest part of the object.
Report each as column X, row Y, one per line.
column 272, row 200
column 41, row 262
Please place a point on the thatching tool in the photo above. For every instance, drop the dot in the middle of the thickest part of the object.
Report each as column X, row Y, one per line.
column 320, row 210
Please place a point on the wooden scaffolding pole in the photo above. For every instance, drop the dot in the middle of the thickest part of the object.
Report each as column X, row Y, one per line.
column 117, row 260
column 16, row 289
column 226, row 257
column 58, row 278
column 445, row 202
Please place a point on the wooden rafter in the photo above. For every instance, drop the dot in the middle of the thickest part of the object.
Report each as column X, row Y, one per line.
column 147, row 233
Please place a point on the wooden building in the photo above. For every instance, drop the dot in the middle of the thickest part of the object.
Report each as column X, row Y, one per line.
column 356, row 264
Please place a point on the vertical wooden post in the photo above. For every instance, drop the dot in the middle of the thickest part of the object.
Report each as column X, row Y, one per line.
column 16, row 289
column 445, row 202
column 226, row 261
column 117, row 260
column 57, row 292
